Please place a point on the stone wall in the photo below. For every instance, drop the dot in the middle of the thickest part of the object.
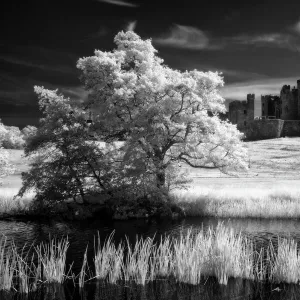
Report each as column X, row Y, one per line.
column 270, row 129
column 291, row 128
column 264, row 129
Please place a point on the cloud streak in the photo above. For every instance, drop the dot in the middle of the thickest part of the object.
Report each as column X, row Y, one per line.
column 119, row 3
column 25, row 63
column 296, row 27
column 100, row 33
column 278, row 40
column 186, row 37
column 239, row 91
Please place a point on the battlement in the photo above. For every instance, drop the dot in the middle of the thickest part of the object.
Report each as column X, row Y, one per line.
column 286, row 89
column 238, row 104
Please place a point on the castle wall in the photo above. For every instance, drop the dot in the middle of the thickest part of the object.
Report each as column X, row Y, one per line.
column 271, row 129
column 298, row 87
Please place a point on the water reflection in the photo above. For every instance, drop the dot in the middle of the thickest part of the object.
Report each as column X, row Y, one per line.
column 163, row 290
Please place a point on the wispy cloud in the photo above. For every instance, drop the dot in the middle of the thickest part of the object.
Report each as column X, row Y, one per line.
column 279, row 40
column 98, row 34
column 296, row 27
column 131, row 26
column 77, row 93
column 239, row 91
column 119, row 2
column 36, row 65
column 187, row 37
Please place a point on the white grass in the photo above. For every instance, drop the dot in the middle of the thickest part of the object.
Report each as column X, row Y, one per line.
column 278, row 202
column 11, row 205
column 286, row 264
column 8, row 262
column 82, row 273
column 52, row 256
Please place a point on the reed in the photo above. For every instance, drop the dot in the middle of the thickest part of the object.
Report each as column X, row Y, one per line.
column 116, row 259
column 139, row 260
column 8, row 262
column 103, row 257
column 82, row 273
column 188, row 258
column 285, row 264
column 52, row 257
column 162, row 259
column 231, row 255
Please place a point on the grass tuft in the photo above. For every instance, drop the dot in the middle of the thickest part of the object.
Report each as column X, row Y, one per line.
column 52, row 256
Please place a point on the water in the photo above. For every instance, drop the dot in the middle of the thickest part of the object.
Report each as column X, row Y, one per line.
column 80, row 234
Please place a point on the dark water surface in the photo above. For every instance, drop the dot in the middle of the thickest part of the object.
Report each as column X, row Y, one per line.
column 80, row 234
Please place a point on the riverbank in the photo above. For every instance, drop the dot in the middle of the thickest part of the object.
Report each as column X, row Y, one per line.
column 282, row 201
column 263, row 200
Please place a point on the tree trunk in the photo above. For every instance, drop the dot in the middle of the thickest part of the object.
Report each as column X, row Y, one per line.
column 160, row 178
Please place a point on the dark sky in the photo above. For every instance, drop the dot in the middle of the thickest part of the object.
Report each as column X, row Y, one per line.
column 256, row 44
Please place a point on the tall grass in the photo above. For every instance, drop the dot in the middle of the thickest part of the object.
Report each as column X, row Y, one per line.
column 219, row 253
column 234, row 202
column 82, row 273
column 11, row 205
column 138, row 263
column 8, row 262
column 52, row 256
column 285, row 265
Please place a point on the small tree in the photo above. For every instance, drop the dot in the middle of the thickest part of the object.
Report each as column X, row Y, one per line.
column 65, row 160
column 165, row 116
column 28, row 132
column 13, row 138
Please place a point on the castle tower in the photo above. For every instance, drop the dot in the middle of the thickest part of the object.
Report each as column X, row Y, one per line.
column 250, row 106
column 298, row 88
column 289, row 105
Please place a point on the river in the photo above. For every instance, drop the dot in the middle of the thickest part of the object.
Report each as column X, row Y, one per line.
column 82, row 234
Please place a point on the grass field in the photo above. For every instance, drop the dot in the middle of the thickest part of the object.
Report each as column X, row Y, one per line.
column 270, row 189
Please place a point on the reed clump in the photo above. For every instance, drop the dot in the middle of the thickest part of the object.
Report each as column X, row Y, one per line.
column 52, row 257
column 192, row 256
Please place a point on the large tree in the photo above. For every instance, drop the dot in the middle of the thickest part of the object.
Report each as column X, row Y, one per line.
column 165, row 116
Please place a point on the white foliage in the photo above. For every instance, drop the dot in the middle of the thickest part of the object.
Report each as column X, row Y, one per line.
column 6, row 168
column 169, row 115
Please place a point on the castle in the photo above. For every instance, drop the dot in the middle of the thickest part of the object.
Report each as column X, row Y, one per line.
column 274, row 116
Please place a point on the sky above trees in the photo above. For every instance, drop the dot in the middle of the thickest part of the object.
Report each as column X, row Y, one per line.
column 256, row 44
